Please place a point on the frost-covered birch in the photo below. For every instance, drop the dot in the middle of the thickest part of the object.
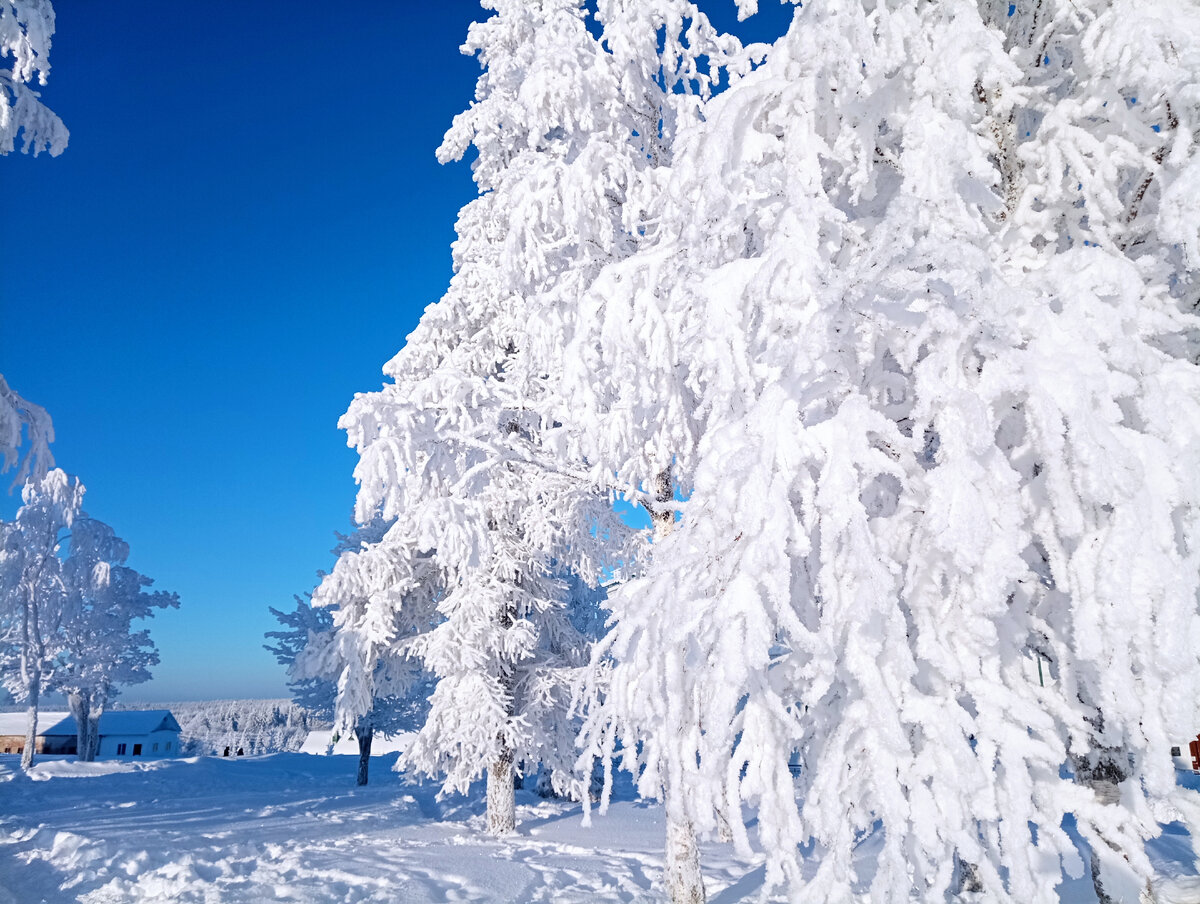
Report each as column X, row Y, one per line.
column 100, row 649
column 930, row 268
column 32, row 594
column 626, row 396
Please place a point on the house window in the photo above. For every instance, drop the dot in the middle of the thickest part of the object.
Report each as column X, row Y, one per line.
column 120, row 750
column 156, row 748
column 137, row 749
column 168, row 745
column 1175, row 751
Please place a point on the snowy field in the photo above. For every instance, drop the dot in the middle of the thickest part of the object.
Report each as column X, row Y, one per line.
column 292, row 827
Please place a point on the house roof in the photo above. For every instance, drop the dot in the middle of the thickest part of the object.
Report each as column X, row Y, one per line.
column 14, row 723
column 122, row 722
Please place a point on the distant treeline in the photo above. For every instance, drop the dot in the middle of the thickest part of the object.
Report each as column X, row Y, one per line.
column 211, row 727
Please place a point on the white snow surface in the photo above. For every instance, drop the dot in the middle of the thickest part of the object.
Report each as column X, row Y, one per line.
column 293, row 827
column 14, row 723
column 318, row 742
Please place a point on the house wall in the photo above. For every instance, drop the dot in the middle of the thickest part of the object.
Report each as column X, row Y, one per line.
column 16, row 744
column 53, row 744
column 109, row 745
column 57, row 744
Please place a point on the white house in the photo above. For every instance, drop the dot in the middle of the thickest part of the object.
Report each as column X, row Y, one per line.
column 126, row 734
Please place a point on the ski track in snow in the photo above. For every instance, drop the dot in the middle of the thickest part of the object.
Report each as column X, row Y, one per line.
column 293, row 828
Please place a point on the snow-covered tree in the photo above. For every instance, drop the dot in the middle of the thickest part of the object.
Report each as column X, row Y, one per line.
column 32, row 593
column 99, row 649
column 309, row 649
column 67, row 602
column 314, row 695
column 23, row 422
column 597, row 203
column 624, row 396
column 26, row 27
column 317, row 659
column 223, row 727
column 925, row 272
column 461, row 448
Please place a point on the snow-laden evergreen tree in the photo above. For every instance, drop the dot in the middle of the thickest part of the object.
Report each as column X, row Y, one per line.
column 362, row 615
column 315, row 695
column 99, row 649
column 462, row 447
column 309, row 648
column 928, row 274
column 32, row 593
column 67, row 602
column 318, row 658
column 26, row 27
column 25, row 436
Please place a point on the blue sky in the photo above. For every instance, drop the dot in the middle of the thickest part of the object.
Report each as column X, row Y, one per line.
column 247, row 222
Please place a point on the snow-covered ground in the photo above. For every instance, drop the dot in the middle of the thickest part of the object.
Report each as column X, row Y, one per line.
column 318, row 742
column 292, row 827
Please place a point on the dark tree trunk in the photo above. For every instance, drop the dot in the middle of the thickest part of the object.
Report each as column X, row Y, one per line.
column 364, row 754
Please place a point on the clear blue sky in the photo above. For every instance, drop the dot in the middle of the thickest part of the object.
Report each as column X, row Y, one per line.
column 247, row 222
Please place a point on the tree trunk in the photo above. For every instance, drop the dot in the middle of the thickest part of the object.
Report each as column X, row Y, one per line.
column 501, row 797
column 724, row 829
column 95, row 711
column 966, row 878
column 685, row 885
column 501, row 792
column 364, row 754
column 684, row 882
column 1112, row 879
column 81, row 710
column 34, row 691
column 31, row 671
